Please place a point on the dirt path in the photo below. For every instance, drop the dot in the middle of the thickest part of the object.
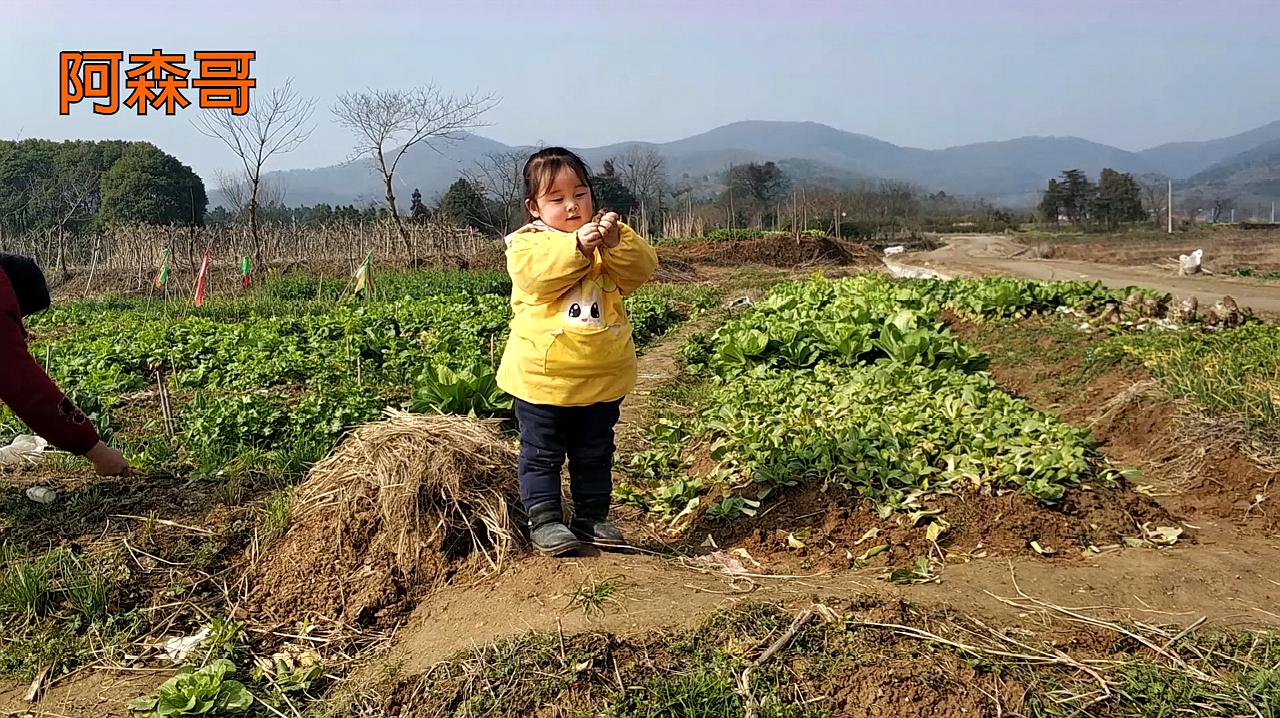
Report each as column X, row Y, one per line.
column 976, row 255
column 1224, row 578
column 654, row 368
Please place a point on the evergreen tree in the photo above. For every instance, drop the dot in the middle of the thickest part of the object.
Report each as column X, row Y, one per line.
column 146, row 185
column 418, row 211
column 1051, row 202
column 463, row 204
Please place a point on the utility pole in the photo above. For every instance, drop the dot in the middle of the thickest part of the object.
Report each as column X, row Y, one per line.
column 1170, row 209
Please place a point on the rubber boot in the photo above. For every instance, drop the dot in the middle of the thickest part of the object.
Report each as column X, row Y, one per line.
column 591, row 523
column 547, row 532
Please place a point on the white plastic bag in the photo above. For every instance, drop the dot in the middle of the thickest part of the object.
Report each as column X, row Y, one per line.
column 25, row 448
column 1190, row 264
column 895, row 249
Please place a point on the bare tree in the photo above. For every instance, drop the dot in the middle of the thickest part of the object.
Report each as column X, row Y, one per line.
column 643, row 171
column 498, row 176
column 387, row 123
column 233, row 189
column 275, row 124
column 1155, row 200
column 1222, row 204
column 70, row 200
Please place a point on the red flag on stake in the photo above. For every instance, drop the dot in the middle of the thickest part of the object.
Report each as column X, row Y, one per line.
column 200, row 279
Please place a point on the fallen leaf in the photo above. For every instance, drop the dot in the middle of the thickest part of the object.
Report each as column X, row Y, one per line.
column 936, row 529
column 873, row 551
column 1035, row 546
column 917, row 516
column 1163, row 535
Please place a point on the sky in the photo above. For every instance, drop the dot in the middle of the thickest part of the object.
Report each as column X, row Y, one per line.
column 582, row 73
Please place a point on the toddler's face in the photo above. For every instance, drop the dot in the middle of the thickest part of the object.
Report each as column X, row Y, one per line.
column 565, row 204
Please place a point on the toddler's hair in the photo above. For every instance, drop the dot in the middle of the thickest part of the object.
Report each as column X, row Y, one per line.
column 542, row 167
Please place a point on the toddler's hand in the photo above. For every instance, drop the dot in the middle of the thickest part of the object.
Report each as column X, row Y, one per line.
column 610, row 234
column 589, row 237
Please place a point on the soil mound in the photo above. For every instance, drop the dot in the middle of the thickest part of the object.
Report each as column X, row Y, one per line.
column 782, row 252
column 401, row 507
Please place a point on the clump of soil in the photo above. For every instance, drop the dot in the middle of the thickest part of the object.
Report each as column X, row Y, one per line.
column 783, row 252
column 400, row 508
column 836, row 526
column 674, row 270
column 1197, row 465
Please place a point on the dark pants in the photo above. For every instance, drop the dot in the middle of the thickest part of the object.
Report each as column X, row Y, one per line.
column 550, row 433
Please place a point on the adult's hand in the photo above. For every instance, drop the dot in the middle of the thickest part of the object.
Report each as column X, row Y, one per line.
column 107, row 461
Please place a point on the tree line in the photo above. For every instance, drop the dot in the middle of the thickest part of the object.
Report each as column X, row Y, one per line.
column 748, row 196
column 74, row 186
column 1115, row 199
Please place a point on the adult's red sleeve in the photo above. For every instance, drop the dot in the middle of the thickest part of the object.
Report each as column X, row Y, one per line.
column 29, row 391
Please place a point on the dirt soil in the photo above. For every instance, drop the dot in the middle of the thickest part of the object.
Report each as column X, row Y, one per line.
column 836, row 528
column 978, row 255
column 783, row 252
column 1223, row 250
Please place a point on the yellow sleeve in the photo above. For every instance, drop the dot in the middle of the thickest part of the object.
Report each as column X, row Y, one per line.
column 632, row 262
column 545, row 264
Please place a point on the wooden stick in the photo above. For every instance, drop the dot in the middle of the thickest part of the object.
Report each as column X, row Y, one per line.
column 205, row 532
column 744, row 680
column 37, row 684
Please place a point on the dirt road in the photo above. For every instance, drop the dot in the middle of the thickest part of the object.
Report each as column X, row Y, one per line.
column 977, row 255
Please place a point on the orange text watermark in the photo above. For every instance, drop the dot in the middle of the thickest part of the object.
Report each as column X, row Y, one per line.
column 154, row 80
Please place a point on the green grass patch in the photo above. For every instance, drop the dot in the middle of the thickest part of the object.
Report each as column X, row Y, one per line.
column 1233, row 373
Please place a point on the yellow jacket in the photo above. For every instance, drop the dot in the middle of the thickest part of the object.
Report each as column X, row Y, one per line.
column 570, row 341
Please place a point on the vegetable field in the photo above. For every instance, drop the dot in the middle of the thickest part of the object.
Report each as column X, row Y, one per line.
column 816, row 471
column 269, row 382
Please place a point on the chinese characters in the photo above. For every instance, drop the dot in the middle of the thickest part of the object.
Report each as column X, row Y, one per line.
column 155, row 81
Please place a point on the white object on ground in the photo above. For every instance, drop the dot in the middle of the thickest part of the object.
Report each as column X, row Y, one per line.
column 176, row 648
column 895, row 249
column 1190, row 264
column 722, row 562
column 42, row 494
column 25, row 448
column 906, row 271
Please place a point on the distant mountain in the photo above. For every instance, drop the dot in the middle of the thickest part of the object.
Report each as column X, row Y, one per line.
column 359, row 183
column 1251, row 178
column 1010, row 172
column 1015, row 171
column 1184, row 159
